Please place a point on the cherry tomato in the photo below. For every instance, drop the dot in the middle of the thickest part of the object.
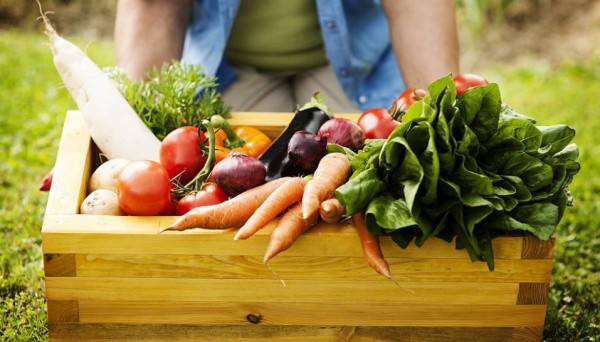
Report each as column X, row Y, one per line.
column 181, row 153
column 209, row 195
column 406, row 99
column 377, row 123
column 466, row 81
column 143, row 188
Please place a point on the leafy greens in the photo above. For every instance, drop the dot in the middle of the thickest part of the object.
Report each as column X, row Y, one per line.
column 464, row 169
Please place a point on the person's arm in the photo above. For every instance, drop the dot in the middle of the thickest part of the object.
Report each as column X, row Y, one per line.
column 149, row 33
column 424, row 38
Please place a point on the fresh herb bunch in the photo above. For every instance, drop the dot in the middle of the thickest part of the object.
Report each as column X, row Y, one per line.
column 467, row 168
column 176, row 95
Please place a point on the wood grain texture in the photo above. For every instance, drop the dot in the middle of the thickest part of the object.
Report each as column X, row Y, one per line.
column 533, row 293
column 139, row 235
column 301, row 313
column 528, row 334
column 310, row 267
column 160, row 333
column 272, row 291
column 63, row 311
column 534, row 248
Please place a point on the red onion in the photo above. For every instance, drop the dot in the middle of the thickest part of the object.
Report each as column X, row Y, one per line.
column 343, row 132
column 238, row 172
column 305, row 150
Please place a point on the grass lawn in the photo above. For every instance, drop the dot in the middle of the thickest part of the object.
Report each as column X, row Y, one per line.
column 31, row 116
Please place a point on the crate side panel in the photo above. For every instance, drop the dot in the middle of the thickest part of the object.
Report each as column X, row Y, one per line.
column 270, row 291
column 140, row 235
column 292, row 267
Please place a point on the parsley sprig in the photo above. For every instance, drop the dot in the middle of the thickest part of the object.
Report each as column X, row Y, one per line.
column 168, row 97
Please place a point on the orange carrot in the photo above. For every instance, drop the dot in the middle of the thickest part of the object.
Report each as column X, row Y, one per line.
column 331, row 210
column 231, row 213
column 370, row 247
column 283, row 197
column 333, row 170
column 288, row 229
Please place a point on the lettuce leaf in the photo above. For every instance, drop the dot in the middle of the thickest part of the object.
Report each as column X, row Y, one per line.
column 465, row 168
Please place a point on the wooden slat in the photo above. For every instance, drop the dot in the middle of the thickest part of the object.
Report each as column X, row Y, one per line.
column 168, row 333
column 270, row 291
column 432, row 334
column 385, row 314
column 116, row 234
column 72, row 167
column 356, row 269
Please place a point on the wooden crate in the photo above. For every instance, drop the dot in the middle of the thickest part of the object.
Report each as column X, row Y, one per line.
column 114, row 278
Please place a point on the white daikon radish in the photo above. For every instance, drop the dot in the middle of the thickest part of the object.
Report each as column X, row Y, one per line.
column 113, row 125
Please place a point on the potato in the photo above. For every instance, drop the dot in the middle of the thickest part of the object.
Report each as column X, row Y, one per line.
column 105, row 176
column 101, row 202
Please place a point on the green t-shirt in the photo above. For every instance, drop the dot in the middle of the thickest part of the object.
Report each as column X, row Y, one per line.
column 276, row 37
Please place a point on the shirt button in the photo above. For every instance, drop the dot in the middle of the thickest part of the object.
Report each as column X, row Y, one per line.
column 344, row 72
column 362, row 99
column 330, row 25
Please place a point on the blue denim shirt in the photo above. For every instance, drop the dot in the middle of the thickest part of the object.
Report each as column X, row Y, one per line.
column 356, row 37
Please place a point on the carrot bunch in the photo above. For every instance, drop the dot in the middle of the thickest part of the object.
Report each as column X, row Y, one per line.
column 300, row 201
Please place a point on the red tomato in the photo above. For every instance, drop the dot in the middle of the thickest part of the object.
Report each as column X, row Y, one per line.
column 406, row 99
column 466, row 81
column 143, row 188
column 209, row 195
column 377, row 123
column 181, row 153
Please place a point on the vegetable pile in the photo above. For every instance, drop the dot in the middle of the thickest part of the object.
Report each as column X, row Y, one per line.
column 469, row 168
column 452, row 161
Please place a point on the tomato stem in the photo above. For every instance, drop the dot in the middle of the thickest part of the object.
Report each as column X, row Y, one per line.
column 197, row 183
column 233, row 140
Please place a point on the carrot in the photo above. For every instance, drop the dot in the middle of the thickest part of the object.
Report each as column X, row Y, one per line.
column 231, row 213
column 332, row 171
column 331, row 210
column 283, row 197
column 113, row 125
column 370, row 247
column 288, row 229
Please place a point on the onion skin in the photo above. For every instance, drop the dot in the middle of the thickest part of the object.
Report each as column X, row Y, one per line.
column 344, row 132
column 238, row 172
column 305, row 150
